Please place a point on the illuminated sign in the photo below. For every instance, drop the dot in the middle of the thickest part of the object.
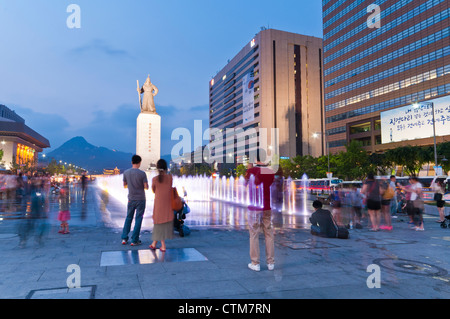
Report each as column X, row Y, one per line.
column 252, row 43
column 413, row 122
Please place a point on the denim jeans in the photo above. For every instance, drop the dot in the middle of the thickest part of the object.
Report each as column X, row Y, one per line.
column 137, row 206
column 394, row 206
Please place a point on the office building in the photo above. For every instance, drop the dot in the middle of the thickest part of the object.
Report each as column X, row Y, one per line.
column 274, row 82
column 383, row 55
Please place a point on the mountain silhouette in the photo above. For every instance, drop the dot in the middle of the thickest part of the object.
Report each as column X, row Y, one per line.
column 79, row 152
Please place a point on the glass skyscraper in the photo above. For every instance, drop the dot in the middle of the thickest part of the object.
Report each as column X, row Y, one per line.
column 380, row 55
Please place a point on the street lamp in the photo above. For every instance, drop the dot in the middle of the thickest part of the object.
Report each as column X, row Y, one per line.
column 417, row 105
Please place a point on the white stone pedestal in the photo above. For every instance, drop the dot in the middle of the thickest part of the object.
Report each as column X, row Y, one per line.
column 148, row 139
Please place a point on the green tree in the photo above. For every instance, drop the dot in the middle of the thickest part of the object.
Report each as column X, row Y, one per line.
column 203, row 169
column 353, row 163
column 55, row 168
column 322, row 166
column 187, row 170
column 308, row 166
column 296, row 170
column 288, row 167
column 443, row 150
column 225, row 171
column 380, row 163
column 241, row 170
column 411, row 158
column 394, row 156
column 175, row 171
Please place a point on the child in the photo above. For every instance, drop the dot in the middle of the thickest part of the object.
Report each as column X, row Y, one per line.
column 64, row 212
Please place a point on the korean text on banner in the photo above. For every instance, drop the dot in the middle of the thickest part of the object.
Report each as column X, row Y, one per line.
column 248, row 99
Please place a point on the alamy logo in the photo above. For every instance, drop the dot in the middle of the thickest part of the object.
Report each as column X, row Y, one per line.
column 74, row 20
column 74, row 280
column 374, row 280
column 374, row 20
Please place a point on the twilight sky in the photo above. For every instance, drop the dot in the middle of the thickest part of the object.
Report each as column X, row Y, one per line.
column 82, row 82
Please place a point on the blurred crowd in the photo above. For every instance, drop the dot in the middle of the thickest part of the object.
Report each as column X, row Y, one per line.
column 26, row 196
column 380, row 201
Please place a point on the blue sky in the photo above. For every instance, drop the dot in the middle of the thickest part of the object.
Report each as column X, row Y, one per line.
column 82, row 82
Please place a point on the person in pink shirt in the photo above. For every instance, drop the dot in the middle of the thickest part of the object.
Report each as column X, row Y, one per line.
column 162, row 210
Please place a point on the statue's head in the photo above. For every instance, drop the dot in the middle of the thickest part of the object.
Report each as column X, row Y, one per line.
column 148, row 80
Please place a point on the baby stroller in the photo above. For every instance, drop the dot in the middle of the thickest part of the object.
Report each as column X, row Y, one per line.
column 178, row 222
column 446, row 222
column 55, row 188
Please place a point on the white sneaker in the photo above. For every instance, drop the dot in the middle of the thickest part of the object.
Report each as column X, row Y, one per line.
column 270, row 266
column 254, row 267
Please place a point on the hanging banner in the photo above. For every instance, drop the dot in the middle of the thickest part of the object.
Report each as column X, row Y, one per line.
column 413, row 122
column 248, row 98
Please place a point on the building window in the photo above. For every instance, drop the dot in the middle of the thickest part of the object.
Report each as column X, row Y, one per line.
column 338, row 143
column 360, row 128
column 377, row 125
column 378, row 140
column 366, row 141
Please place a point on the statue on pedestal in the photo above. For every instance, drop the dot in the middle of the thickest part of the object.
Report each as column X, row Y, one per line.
column 150, row 91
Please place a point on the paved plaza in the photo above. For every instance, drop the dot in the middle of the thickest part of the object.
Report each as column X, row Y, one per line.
column 212, row 261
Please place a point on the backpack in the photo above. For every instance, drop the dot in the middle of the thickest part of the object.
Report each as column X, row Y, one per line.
column 389, row 193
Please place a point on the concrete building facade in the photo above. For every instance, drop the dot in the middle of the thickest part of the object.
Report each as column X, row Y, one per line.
column 285, row 71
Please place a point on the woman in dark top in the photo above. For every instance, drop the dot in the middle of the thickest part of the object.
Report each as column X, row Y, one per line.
column 372, row 190
column 439, row 189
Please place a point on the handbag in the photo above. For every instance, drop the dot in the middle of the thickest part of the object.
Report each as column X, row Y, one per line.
column 389, row 193
column 177, row 203
column 419, row 204
column 437, row 197
column 341, row 232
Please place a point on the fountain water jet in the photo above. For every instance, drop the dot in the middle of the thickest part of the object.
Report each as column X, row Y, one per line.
column 305, row 185
column 236, row 191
